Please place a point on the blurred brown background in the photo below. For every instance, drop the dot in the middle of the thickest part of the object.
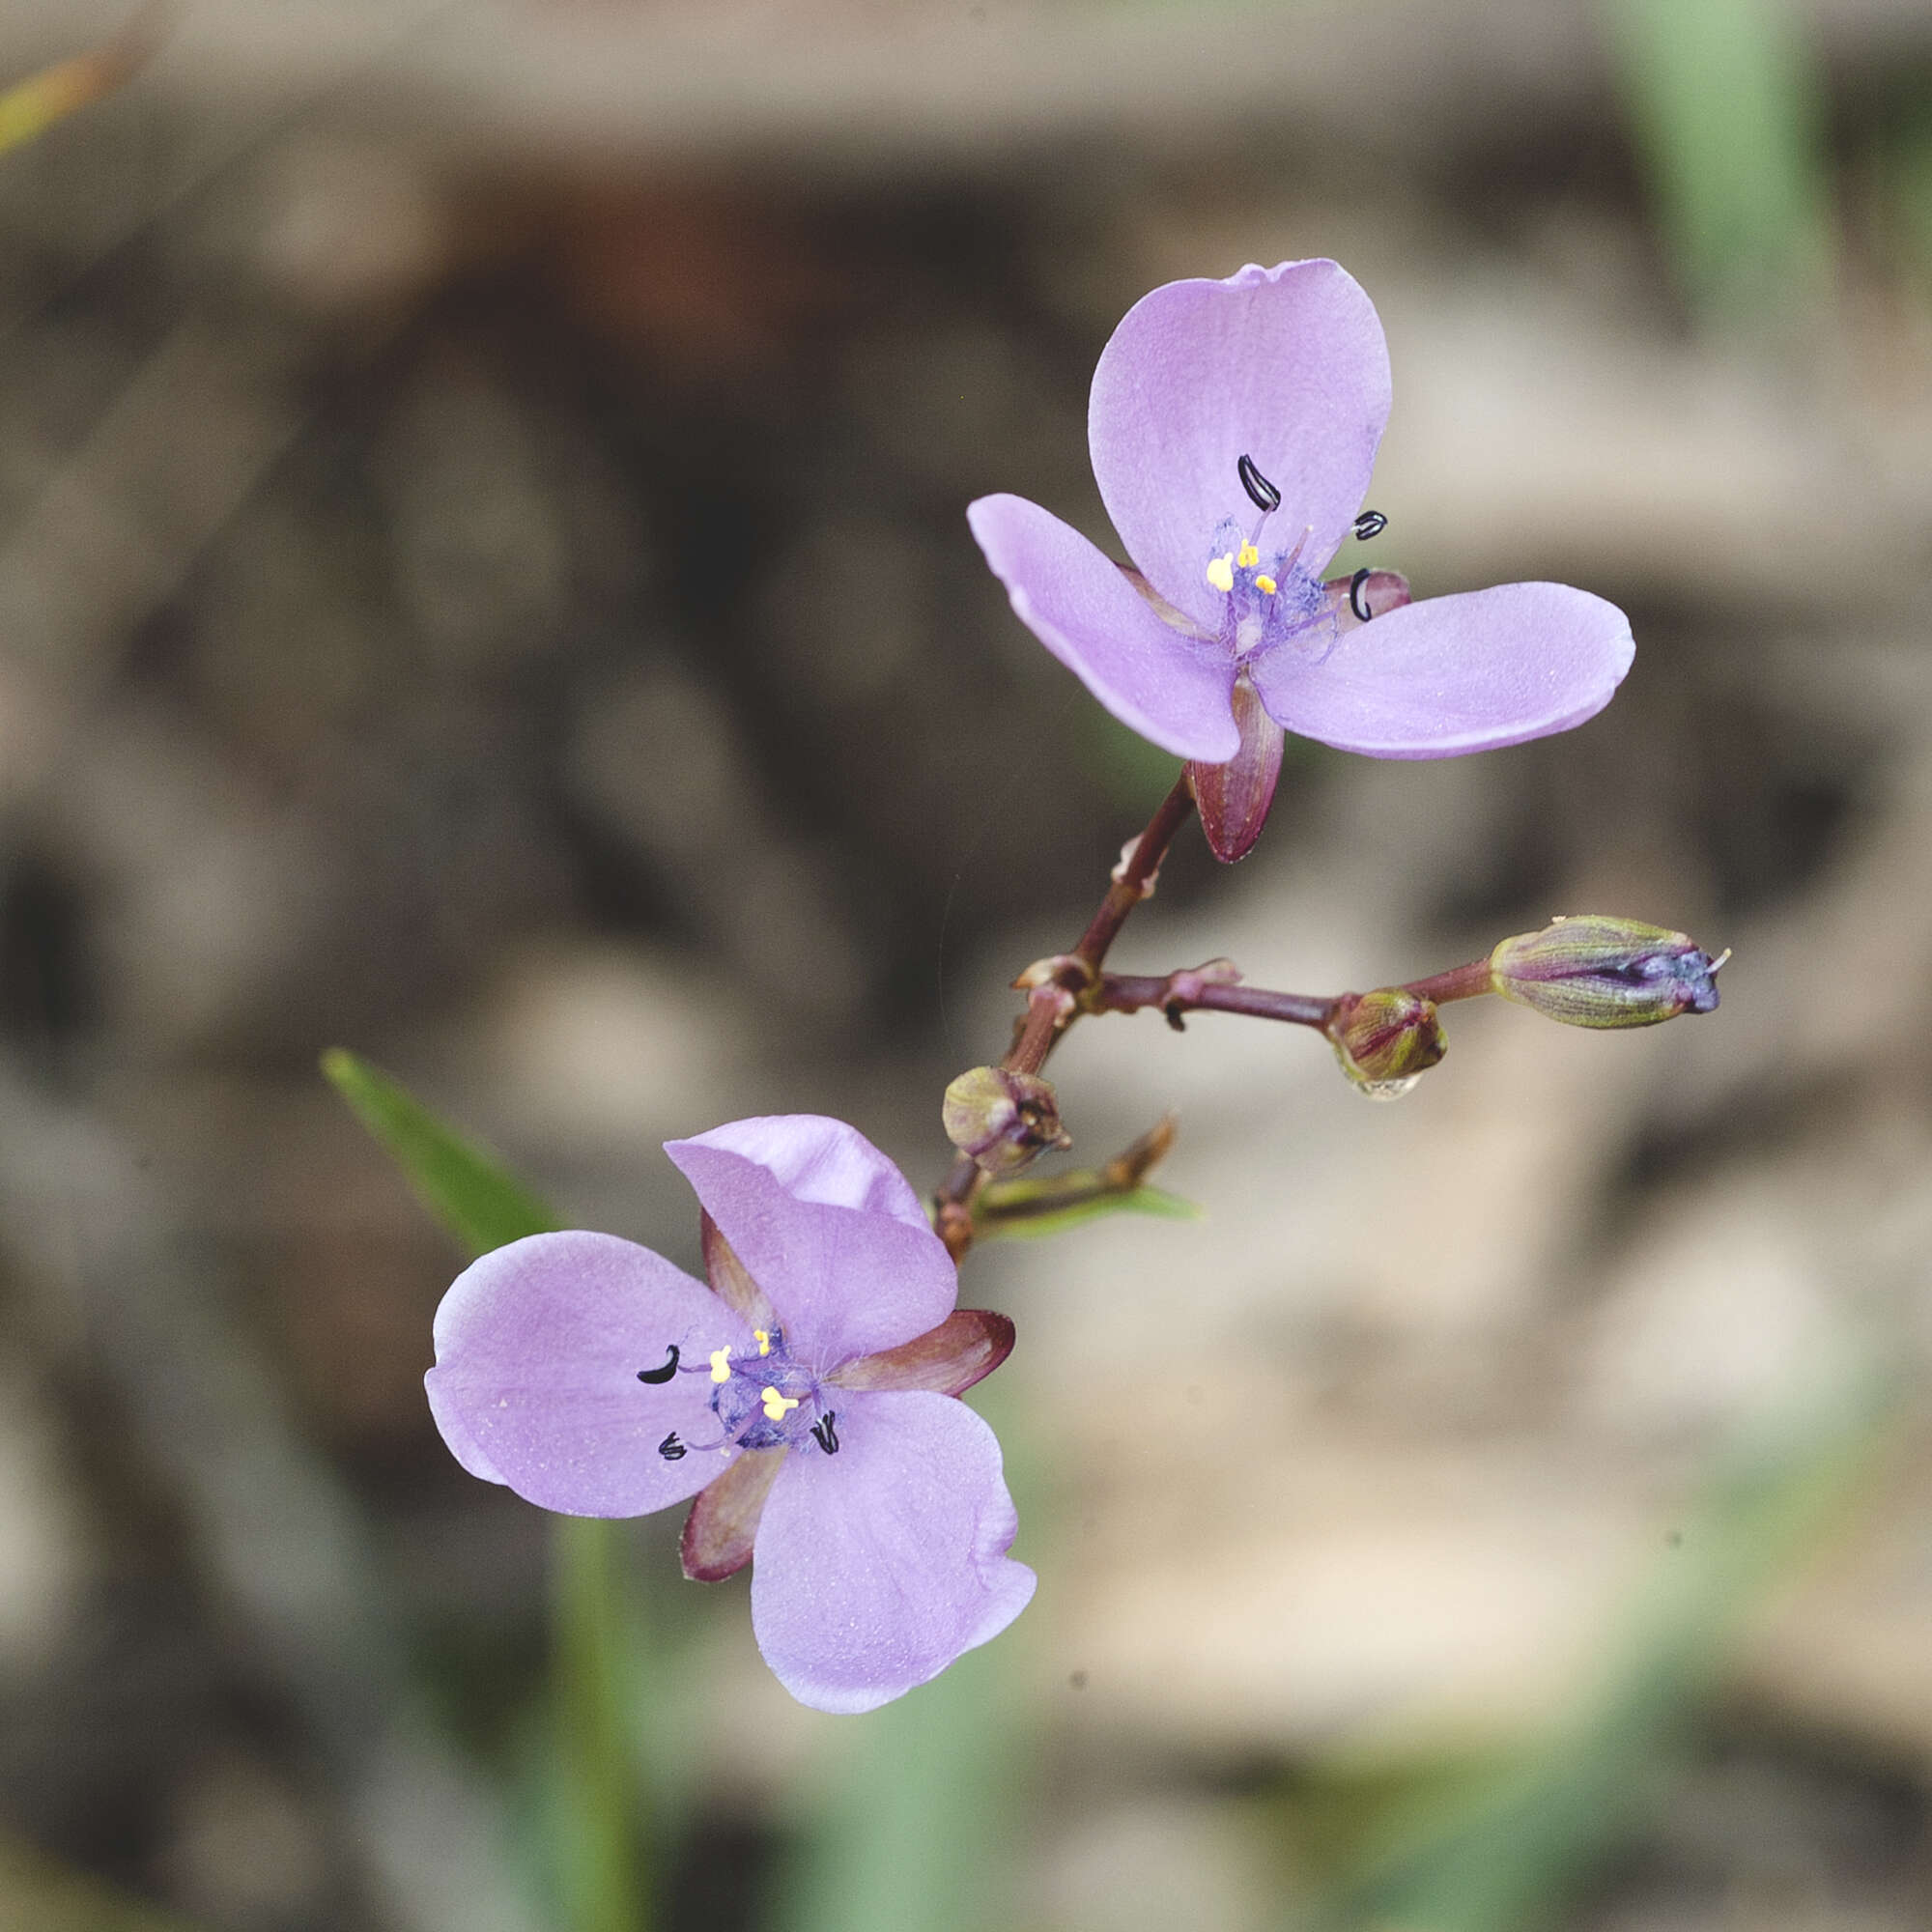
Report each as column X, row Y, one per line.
column 483, row 580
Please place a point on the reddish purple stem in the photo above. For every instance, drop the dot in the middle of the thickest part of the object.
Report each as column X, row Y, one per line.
column 1131, row 992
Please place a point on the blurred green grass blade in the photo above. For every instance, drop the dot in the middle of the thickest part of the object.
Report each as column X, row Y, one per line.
column 38, row 1895
column 1502, row 1851
column 594, row 1818
column 469, row 1190
column 1024, row 1224
column 1909, row 172
column 1725, row 108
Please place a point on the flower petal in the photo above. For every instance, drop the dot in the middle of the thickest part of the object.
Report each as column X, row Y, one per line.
column 1171, row 688
column 966, row 1348
column 878, row 1565
column 1285, row 365
column 1456, row 675
column 724, row 1520
column 538, row 1345
column 828, row 1227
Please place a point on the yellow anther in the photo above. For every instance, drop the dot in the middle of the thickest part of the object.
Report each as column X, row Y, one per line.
column 1221, row 572
column 776, row 1404
column 1249, row 556
column 721, row 1364
column 764, row 1340
column 1266, row 585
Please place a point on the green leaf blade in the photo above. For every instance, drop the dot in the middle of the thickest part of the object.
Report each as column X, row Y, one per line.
column 1025, row 1223
column 464, row 1186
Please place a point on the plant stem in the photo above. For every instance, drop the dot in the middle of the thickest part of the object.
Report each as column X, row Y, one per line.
column 1179, row 993
column 1135, row 878
column 1459, row 983
column 600, row 1873
column 1052, row 1009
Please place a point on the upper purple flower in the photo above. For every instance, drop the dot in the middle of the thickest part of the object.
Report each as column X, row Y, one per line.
column 807, row 1399
column 1234, row 426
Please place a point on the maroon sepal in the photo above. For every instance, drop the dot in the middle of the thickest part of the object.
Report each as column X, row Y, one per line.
column 728, row 1279
column 1234, row 798
column 967, row 1347
column 724, row 1518
column 1352, row 600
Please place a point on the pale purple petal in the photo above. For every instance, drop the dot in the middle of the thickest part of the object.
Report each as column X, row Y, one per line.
column 1455, row 674
column 1172, row 689
column 878, row 1565
column 828, row 1227
column 1285, row 365
column 538, row 1345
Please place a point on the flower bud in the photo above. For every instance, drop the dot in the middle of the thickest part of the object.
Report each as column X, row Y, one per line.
column 1595, row 971
column 1002, row 1120
column 1386, row 1040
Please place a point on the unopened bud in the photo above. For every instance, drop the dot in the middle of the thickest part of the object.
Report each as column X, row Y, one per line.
column 1002, row 1120
column 1386, row 1040
column 1594, row 971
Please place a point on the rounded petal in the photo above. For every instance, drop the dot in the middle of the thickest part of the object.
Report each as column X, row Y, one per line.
column 1285, row 365
column 828, row 1227
column 538, row 1345
column 876, row 1566
column 1173, row 689
column 1456, row 675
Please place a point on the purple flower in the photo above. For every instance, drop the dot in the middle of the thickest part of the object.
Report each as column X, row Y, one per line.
column 1233, row 427
column 805, row 1398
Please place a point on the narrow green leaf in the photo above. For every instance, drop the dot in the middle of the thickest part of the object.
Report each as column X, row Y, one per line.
column 467, row 1188
column 596, row 1841
column 1024, row 1222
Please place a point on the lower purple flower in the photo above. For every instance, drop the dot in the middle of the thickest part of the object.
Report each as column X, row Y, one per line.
column 807, row 1399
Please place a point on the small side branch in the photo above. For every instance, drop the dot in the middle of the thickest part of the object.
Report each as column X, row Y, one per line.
column 1212, row 988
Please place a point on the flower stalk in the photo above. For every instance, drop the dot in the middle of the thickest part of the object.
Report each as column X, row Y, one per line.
column 601, row 1876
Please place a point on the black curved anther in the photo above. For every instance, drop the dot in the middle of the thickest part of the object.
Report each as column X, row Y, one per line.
column 671, row 1449
column 664, row 1373
column 1262, row 493
column 1370, row 524
column 1355, row 603
column 824, row 1434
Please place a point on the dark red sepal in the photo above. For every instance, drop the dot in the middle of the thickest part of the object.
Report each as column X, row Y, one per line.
column 967, row 1347
column 729, row 1280
column 724, row 1518
column 1234, row 798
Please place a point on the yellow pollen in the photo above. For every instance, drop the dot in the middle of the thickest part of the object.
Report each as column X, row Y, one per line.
column 764, row 1340
column 1264, row 584
column 721, row 1364
column 1221, row 572
column 776, row 1404
column 1249, row 556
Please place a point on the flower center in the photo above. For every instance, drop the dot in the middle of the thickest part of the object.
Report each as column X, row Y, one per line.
column 764, row 1401
column 1271, row 597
